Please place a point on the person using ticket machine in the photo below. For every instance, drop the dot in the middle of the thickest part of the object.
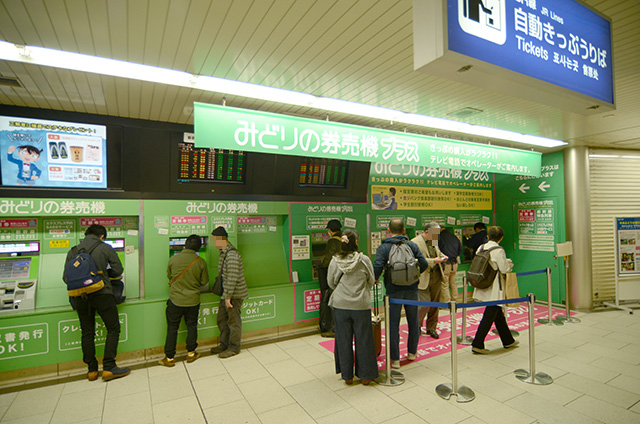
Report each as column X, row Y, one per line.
column 102, row 301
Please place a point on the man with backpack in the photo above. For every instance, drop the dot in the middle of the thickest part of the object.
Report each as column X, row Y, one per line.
column 430, row 281
column 105, row 261
column 402, row 263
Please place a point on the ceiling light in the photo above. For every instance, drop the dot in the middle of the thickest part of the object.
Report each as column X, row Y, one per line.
column 117, row 68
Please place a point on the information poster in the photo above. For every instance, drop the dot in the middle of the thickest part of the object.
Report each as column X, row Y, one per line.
column 628, row 245
column 300, row 248
column 536, row 225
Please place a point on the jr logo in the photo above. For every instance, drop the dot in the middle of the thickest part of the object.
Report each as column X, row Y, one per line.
column 483, row 18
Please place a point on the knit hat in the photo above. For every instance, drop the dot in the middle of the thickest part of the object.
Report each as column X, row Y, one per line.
column 334, row 225
column 220, row 232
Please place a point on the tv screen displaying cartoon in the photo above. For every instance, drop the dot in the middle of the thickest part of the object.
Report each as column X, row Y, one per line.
column 40, row 153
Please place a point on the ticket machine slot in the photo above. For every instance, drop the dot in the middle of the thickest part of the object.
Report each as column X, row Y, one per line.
column 176, row 244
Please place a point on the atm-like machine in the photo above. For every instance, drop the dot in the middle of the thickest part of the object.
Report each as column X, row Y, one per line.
column 18, row 275
column 176, row 244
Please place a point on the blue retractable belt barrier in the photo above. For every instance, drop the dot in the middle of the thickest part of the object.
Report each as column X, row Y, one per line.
column 418, row 303
column 522, row 274
column 459, row 305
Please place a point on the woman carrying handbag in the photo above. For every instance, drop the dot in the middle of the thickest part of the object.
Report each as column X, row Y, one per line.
column 350, row 276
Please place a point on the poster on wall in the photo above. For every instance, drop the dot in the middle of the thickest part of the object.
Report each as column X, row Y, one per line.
column 628, row 245
column 41, row 153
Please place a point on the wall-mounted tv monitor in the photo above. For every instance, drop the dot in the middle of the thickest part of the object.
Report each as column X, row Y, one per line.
column 211, row 165
column 40, row 153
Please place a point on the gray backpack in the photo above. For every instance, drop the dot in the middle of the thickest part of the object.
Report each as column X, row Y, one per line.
column 402, row 266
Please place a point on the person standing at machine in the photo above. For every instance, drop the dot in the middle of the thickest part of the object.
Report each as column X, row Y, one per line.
column 478, row 238
column 188, row 275
column 451, row 247
column 235, row 292
column 431, row 279
column 102, row 301
column 334, row 246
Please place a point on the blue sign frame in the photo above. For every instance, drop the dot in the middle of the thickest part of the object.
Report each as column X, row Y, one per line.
column 562, row 42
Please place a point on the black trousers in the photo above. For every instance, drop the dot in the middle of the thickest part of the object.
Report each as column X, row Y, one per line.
column 492, row 314
column 105, row 305
column 326, row 313
column 174, row 315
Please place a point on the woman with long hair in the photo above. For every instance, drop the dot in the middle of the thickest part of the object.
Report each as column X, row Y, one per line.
column 350, row 276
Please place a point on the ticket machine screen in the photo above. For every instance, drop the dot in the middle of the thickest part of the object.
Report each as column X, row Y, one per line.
column 16, row 290
column 18, row 248
column 117, row 244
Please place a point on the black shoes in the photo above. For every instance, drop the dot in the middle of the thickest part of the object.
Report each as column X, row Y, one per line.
column 433, row 334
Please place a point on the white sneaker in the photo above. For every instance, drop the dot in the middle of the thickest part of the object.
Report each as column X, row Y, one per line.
column 411, row 356
column 395, row 364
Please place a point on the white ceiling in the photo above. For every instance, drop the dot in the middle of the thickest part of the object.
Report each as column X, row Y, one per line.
column 358, row 50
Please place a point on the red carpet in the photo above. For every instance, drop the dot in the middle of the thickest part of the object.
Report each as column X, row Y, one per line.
column 429, row 347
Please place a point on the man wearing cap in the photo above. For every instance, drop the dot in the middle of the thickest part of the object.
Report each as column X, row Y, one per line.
column 334, row 245
column 235, row 291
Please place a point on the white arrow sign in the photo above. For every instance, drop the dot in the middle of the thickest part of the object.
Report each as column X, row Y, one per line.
column 543, row 186
column 523, row 188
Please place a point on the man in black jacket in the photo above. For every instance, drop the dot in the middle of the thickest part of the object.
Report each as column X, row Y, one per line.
column 450, row 246
column 101, row 301
column 334, row 245
column 478, row 239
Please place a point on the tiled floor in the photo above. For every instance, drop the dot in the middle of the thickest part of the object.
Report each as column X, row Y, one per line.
column 595, row 366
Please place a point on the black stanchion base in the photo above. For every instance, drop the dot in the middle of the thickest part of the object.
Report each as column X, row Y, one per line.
column 464, row 394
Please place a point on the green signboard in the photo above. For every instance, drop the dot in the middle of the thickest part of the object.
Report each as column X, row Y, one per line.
column 229, row 128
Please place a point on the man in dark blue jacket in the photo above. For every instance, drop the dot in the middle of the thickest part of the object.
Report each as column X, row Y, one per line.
column 398, row 235
column 102, row 302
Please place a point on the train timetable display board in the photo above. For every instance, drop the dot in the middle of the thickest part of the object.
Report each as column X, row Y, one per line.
column 210, row 165
column 318, row 172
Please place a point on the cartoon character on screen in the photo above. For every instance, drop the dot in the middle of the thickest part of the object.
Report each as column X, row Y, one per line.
column 28, row 172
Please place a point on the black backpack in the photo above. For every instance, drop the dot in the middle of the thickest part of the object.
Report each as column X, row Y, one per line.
column 402, row 265
column 81, row 274
column 481, row 274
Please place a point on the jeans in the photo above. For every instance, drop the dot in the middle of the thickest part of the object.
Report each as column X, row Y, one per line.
column 105, row 305
column 492, row 314
column 411, row 313
column 230, row 325
column 355, row 325
column 174, row 315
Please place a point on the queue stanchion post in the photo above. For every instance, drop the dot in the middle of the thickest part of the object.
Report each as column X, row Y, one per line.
column 445, row 390
column 549, row 320
column 567, row 317
column 388, row 377
column 531, row 376
column 463, row 338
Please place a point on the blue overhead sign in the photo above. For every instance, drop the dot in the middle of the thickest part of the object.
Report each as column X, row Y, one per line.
column 562, row 42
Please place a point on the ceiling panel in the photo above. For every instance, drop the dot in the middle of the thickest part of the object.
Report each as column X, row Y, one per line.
column 357, row 50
